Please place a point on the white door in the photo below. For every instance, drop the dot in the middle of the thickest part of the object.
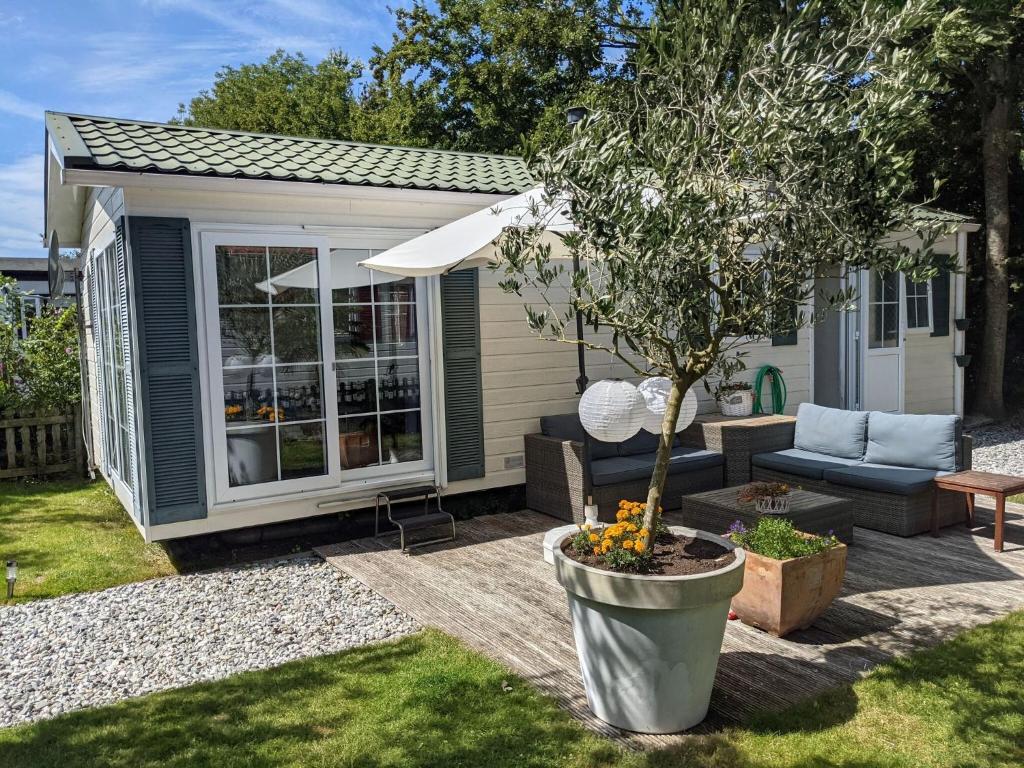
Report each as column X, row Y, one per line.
column 881, row 330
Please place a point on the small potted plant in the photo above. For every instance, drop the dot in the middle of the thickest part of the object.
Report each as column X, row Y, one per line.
column 791, row 577
column 768, row 498
column 735, row 398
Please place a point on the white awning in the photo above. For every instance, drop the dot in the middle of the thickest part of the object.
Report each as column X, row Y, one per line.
column 472, row 240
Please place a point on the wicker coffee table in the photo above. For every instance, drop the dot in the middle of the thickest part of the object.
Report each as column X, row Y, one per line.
column 715, row 511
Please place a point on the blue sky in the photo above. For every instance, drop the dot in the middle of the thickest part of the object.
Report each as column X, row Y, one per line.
column 140, row 59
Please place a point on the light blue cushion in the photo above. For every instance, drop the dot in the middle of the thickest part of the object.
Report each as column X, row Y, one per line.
column 642, row 442
column 567, row 426
column 795, row 461
column 621, row 469
column 904, row 481
column 831, row 431
column 909, row 440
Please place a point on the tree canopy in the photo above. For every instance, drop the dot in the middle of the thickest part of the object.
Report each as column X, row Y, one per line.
column 734, row 168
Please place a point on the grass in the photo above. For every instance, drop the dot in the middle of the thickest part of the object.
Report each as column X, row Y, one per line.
column 429, row 701
column 72, row 537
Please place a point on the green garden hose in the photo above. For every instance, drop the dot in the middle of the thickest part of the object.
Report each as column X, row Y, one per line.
column 778, row 385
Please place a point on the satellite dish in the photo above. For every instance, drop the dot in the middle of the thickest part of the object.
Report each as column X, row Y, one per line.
column 55, row 270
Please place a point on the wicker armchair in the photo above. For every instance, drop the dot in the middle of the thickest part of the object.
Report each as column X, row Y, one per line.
column 554, row 482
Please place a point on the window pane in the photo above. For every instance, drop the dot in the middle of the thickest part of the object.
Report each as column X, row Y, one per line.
column 353, row 331
column 357, row 440
column 297, row 334
column 248, row 395
column 401, row 437
column 350, row 283
column 922, row 311
column 241, row 271
column 399, row 384
column 396, row 329
column 303, row 450
column 298, row 393
column 252, row 456
column 357, row 389
column 390, row 288
column 294, row 275
column 245, row 336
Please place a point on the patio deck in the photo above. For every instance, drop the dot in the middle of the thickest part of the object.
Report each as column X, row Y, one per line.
column 492, row 589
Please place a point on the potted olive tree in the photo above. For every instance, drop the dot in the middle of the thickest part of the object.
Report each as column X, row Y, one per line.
column 739, row 161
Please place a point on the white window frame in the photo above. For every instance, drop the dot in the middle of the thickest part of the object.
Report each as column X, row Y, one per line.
column 208, row 237
column 920, row 329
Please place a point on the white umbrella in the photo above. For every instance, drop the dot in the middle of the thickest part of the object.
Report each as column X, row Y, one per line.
column 472, row 240
column 344, row 274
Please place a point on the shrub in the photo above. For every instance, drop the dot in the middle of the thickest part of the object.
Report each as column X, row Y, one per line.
column 775, row 537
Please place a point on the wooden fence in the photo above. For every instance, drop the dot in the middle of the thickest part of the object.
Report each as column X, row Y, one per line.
column 34, row 444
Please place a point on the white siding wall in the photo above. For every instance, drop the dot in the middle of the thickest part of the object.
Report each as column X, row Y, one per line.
column 103, row 207
column 523, row 377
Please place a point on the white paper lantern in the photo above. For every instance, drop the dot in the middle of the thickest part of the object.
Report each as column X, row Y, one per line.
column 655, row 393
column 612, row 410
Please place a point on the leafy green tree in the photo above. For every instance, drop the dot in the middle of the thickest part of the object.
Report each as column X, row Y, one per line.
column 480, row 74
column 973, row 139
column 734, row 169
column 50, row 360
column 285, row 94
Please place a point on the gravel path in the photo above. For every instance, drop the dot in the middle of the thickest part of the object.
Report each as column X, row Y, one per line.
column 999, row 448
column 96, row 648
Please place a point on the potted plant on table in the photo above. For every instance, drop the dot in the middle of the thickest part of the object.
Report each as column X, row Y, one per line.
column 768, row 498
column 700, row 203
column 791, row 577
column 735, row 398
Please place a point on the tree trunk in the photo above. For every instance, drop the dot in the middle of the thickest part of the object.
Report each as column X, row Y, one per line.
column 652, row 515
column 997, row 146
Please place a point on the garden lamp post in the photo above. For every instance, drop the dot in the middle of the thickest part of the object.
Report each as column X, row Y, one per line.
column 12, row 576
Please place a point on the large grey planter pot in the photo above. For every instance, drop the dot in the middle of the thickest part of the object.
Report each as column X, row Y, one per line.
column 649, row 645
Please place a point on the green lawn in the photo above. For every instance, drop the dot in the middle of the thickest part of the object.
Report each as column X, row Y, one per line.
column 72, row 537
column 428, row 701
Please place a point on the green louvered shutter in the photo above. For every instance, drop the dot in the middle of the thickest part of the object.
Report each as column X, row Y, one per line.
column 173, row 466
column 124, row 338
column 98, row 443
column 463, row 395
column 940, row 304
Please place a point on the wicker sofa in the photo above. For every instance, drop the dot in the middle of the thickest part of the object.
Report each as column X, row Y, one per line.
column 555, row 470
column 885, row 463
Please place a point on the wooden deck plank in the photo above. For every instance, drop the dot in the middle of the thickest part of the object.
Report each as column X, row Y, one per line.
column 492, row 589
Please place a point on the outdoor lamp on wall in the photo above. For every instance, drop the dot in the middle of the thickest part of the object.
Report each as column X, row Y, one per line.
column 12, row 576
column 655, row 392
column 612, row 410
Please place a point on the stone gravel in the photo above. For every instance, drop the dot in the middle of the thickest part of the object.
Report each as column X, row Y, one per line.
column 999, row 447
column 96, row 648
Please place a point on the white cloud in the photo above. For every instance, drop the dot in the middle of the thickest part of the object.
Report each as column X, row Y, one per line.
column 19, row 107
column 21, row 206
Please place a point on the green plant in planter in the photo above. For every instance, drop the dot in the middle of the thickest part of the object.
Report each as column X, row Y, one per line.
column 775, row 537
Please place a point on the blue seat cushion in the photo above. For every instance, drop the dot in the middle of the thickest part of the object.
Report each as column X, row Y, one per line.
column 905, row 481
column 567, row 426
column 913, row 440
column 642, row 442
column 832, row 431
column 621, row 469
column 795, row 461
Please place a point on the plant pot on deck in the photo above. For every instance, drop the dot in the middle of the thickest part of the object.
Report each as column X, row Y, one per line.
column 780, row 596
column 649, row 645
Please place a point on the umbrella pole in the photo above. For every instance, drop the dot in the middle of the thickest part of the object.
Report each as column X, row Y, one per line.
column 581, row 387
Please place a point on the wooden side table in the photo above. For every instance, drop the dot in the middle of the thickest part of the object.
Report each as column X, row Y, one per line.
column 972, row 482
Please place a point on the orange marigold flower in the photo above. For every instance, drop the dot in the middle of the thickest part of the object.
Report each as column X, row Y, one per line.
column 594, row 537
column 597, row 550
column 631, row 528
column 627, row 544
column 639, row 546
column 644, row 533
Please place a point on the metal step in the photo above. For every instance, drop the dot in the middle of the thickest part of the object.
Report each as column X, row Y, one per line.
column 417, row 521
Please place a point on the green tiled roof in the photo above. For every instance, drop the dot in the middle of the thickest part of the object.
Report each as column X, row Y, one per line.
column 102, row 143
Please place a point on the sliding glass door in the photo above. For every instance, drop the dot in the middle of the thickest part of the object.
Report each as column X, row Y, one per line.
column 318, row 368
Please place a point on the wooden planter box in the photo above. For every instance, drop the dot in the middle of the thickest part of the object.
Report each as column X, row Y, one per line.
column 780, row 596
